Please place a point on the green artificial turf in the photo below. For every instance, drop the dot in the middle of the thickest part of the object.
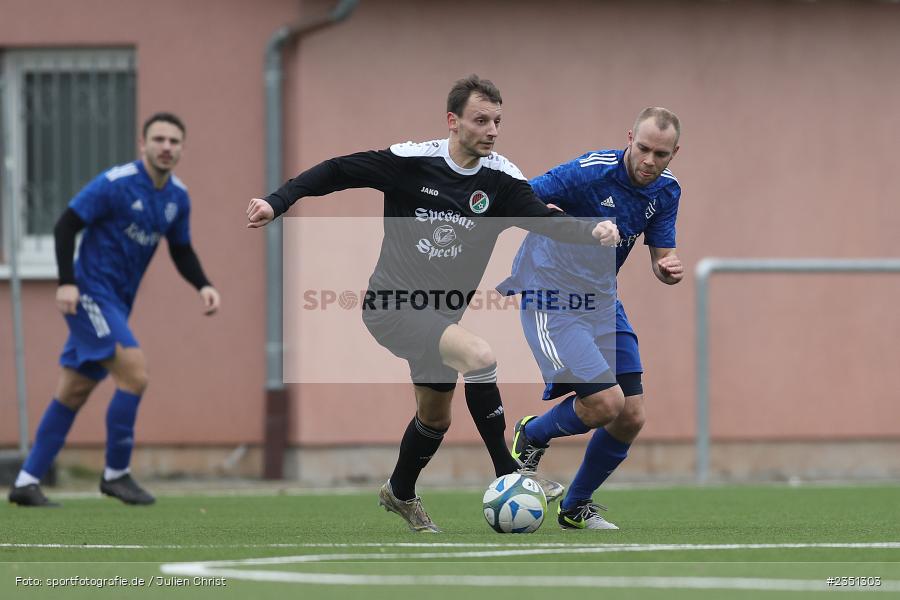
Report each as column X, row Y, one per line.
column 701, row 533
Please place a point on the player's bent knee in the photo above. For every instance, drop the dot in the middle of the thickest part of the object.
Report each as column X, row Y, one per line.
column 73, row 401
column 435, row 416
column 436, row 423
column 433, row 407
column 603, row 407
column 133, row 383
column 633, row 419
column 73, row 389
column 629, row 423
column 480, row 356
column 129, row 370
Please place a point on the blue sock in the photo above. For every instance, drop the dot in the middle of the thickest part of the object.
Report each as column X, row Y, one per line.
column 604, row 453
column 559, row 421
column 120, row 418
column 49, row 439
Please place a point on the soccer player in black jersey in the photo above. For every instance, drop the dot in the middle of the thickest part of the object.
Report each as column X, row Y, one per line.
column 443, row 194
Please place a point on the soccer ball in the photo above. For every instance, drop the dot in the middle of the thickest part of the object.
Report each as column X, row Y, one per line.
column 514, row 504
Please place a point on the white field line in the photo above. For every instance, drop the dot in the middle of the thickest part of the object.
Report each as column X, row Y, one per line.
column 225, row 568
column 571, row 549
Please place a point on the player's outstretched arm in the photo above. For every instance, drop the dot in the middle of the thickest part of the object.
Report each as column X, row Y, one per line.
column 524, row 204
column 666, row 265
column 259, row 213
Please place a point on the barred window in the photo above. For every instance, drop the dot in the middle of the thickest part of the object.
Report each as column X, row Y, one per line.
column 67, row 115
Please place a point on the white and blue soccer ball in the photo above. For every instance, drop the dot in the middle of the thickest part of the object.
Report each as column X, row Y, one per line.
column 514, row 504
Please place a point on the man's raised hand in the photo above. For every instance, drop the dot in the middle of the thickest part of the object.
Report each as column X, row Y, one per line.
column 259, row 213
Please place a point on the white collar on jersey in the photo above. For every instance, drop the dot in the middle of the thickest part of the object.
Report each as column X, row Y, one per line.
column 441, row 148
column 445, row 152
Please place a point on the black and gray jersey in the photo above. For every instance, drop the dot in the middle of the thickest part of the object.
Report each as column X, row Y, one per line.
column 441, row 220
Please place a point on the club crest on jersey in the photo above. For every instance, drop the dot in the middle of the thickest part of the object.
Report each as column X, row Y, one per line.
column 444, row 235
column 171, row 211
column 478, row 202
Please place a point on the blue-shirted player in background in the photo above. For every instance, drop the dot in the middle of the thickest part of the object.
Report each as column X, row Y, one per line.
column 124, row 213
column 635, row 187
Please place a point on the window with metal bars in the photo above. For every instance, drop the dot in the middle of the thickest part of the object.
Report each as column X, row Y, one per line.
column 67, row 115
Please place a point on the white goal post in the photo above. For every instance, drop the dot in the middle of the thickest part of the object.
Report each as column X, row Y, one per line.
column 704, row 271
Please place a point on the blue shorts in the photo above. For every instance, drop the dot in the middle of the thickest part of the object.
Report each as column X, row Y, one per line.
column 580, row 347
column 94, row 331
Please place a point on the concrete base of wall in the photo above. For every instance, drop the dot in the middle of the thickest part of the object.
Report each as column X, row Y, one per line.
column 663, row 462
column 10, row 463
column 468, row 465
column 166, row 462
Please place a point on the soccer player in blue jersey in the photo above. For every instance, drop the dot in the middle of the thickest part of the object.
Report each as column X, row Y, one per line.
column 124, row 213
column 593, row 355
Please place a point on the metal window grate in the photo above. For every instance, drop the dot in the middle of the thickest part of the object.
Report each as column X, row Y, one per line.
column 71, row 114
column 76, row 125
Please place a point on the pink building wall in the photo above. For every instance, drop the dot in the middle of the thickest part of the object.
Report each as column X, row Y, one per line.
column 789, row 128
column 202, row 60
column 787, row 138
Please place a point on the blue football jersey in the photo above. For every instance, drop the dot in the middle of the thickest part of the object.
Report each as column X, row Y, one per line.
column 594, row 185
column 125, row 218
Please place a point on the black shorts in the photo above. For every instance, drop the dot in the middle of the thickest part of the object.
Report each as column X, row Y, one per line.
column 415, row 335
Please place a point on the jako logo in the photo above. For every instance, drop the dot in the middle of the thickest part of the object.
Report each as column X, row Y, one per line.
column 430, row 191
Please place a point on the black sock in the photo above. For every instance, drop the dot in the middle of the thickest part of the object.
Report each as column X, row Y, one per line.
column 418, row 445
column 486, row 408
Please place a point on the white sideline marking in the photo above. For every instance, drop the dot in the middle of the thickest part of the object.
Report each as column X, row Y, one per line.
column 231, row 568
column 223, row 568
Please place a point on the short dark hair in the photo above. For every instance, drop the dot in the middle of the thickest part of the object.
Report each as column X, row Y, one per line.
column 165, row 117
column 662, row 117
column 462, row 90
